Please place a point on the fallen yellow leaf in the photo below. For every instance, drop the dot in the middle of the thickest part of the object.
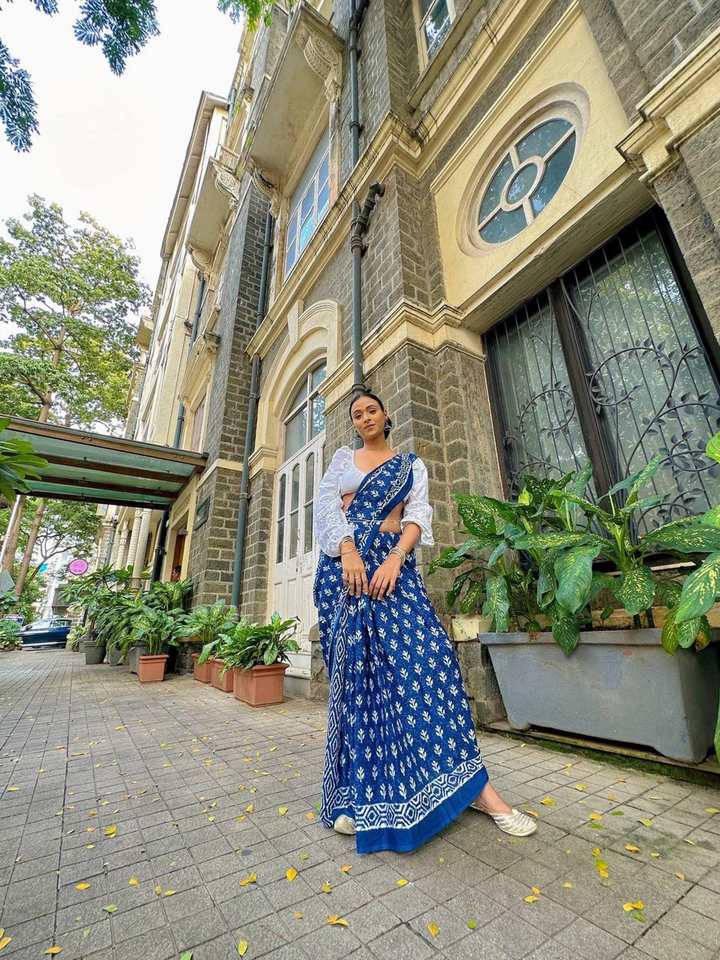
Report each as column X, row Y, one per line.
column 654, row 854
column 645, row 822
column 52, row 951
column 531, row 899
column 282, row 811
column 251, row 879
column 336, row 919
column 303, row 856
column 169, row 893
column 401, row 883
column 596, row 851
column 249, row 809
column 158, row 890
column 291, row 874
column 82, row 886
column 581, row 786
column 310, row 815
column 326, row 888
column 568, row 885
column 638, row 905
column 345, row 869
column 631, row 848
column 433, row 929
column 111, row 831
column 298, row 915
column 680, row 876
column 4, row 942
column 535, row 889
column 10, row 789
column 595, row 816
column 548, row 801
column 533, row 813
column 691, row 842
column 134, row 881
column 242, row 947
column 711, row 810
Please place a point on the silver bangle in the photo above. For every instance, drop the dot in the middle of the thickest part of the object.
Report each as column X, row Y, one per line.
column 399, row 552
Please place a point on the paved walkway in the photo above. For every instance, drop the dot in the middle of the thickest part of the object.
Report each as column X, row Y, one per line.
column 158, row 822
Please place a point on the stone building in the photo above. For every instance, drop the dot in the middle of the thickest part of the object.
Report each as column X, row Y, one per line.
column 539, row 275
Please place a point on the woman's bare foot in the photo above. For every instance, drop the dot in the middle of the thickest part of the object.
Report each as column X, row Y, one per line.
column 491, row 801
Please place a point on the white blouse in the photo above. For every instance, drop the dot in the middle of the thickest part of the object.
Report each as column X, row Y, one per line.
column 343, row 477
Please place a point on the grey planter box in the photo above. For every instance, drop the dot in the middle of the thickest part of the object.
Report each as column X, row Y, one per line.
column 113, row 656
column 618, row 685
column 93, row 652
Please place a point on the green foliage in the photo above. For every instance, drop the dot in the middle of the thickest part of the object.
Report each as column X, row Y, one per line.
column 155, row 628
column 9, row 635
column 207, row 623
column 66, row 293
column 168, row 596
column 17, row 462
column 121, row 28
column 251, row 644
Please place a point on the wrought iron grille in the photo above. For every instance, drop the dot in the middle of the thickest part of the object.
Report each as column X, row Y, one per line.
column 609, row 363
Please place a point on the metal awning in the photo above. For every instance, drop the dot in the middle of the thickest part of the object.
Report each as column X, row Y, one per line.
column 96, row 468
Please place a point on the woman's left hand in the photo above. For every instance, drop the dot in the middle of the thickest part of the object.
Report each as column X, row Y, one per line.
column 384, row 578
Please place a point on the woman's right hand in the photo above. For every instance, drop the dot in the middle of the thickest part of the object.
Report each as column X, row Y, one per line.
column 354, row 576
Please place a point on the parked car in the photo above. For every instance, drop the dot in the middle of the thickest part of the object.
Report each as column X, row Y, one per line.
column 46, row 632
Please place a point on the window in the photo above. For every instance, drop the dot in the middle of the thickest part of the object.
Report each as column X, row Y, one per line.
column 309, row 203
column 609, row 364
column 197, row 426
column 526, row 180
column 435, row 20
column 307, row 413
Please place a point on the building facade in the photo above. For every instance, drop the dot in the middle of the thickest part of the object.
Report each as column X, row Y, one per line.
column 538, row 280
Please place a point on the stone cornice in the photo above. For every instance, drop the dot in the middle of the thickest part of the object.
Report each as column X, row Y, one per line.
column 680, row 105
column 405, row 323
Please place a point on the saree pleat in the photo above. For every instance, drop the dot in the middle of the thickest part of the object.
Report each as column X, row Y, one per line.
column 401, row 758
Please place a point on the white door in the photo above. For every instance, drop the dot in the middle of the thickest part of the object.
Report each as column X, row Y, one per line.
column 294, row 551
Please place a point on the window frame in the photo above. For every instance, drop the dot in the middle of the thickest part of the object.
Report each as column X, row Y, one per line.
column 605, row 472
column 426, row 55
column 315, row 215
column 307, row 403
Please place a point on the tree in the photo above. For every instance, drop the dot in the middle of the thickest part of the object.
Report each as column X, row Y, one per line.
column 67, row 294
column 120, row 27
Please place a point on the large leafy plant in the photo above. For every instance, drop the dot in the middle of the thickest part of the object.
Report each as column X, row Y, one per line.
column 207, row 623
column 251, row 645
column 544, row 550
column 10, row 635
column 156, row 629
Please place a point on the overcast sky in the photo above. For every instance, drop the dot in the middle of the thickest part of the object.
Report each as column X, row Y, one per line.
column 110, row 145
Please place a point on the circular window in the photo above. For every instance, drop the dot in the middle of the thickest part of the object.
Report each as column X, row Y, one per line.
column 508, row 194
column 526, row 180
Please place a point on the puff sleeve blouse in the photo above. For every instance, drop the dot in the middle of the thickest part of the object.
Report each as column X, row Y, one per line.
column 343, row 477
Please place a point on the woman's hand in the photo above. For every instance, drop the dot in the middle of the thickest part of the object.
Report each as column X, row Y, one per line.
column 383, row 581
column 354, row 575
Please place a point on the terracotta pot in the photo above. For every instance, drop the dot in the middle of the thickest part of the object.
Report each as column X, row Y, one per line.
column 226, row 684
column 203, row 673
column 260, row 686
column 151, row 668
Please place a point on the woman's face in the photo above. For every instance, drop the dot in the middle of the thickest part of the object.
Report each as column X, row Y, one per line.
column 368, row 418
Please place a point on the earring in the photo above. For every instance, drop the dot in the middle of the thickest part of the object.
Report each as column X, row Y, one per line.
column 388, row 423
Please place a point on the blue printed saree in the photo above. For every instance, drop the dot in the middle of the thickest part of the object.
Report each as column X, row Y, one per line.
column 401, row 758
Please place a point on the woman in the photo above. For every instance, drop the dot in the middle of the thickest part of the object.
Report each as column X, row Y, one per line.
column 401, row 759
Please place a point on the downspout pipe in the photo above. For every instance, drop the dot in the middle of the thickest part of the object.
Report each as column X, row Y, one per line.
column 360, row 216
column 251, row 422
column 160, row 550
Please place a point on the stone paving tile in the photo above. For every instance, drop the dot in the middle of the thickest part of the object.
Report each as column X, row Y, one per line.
column 90, row 748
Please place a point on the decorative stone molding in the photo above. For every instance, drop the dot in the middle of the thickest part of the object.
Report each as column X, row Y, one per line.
column 266, row 187
column 227, row 184
column 198, row 370
column 323, row 59
column 680, row 105
column 406, row 323
column 202, row 259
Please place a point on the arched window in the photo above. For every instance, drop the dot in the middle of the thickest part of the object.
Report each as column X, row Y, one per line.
column 307, row 412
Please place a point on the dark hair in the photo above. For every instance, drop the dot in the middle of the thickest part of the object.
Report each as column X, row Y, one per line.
column 372, row 396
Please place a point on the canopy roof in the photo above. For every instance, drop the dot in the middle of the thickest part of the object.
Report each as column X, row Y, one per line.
column 95, row 468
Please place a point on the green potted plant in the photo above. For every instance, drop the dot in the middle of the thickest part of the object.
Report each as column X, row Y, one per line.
column 155, row 632
column 10, row 635
column 206, row 624
column 257, row 655
column 578, row 676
